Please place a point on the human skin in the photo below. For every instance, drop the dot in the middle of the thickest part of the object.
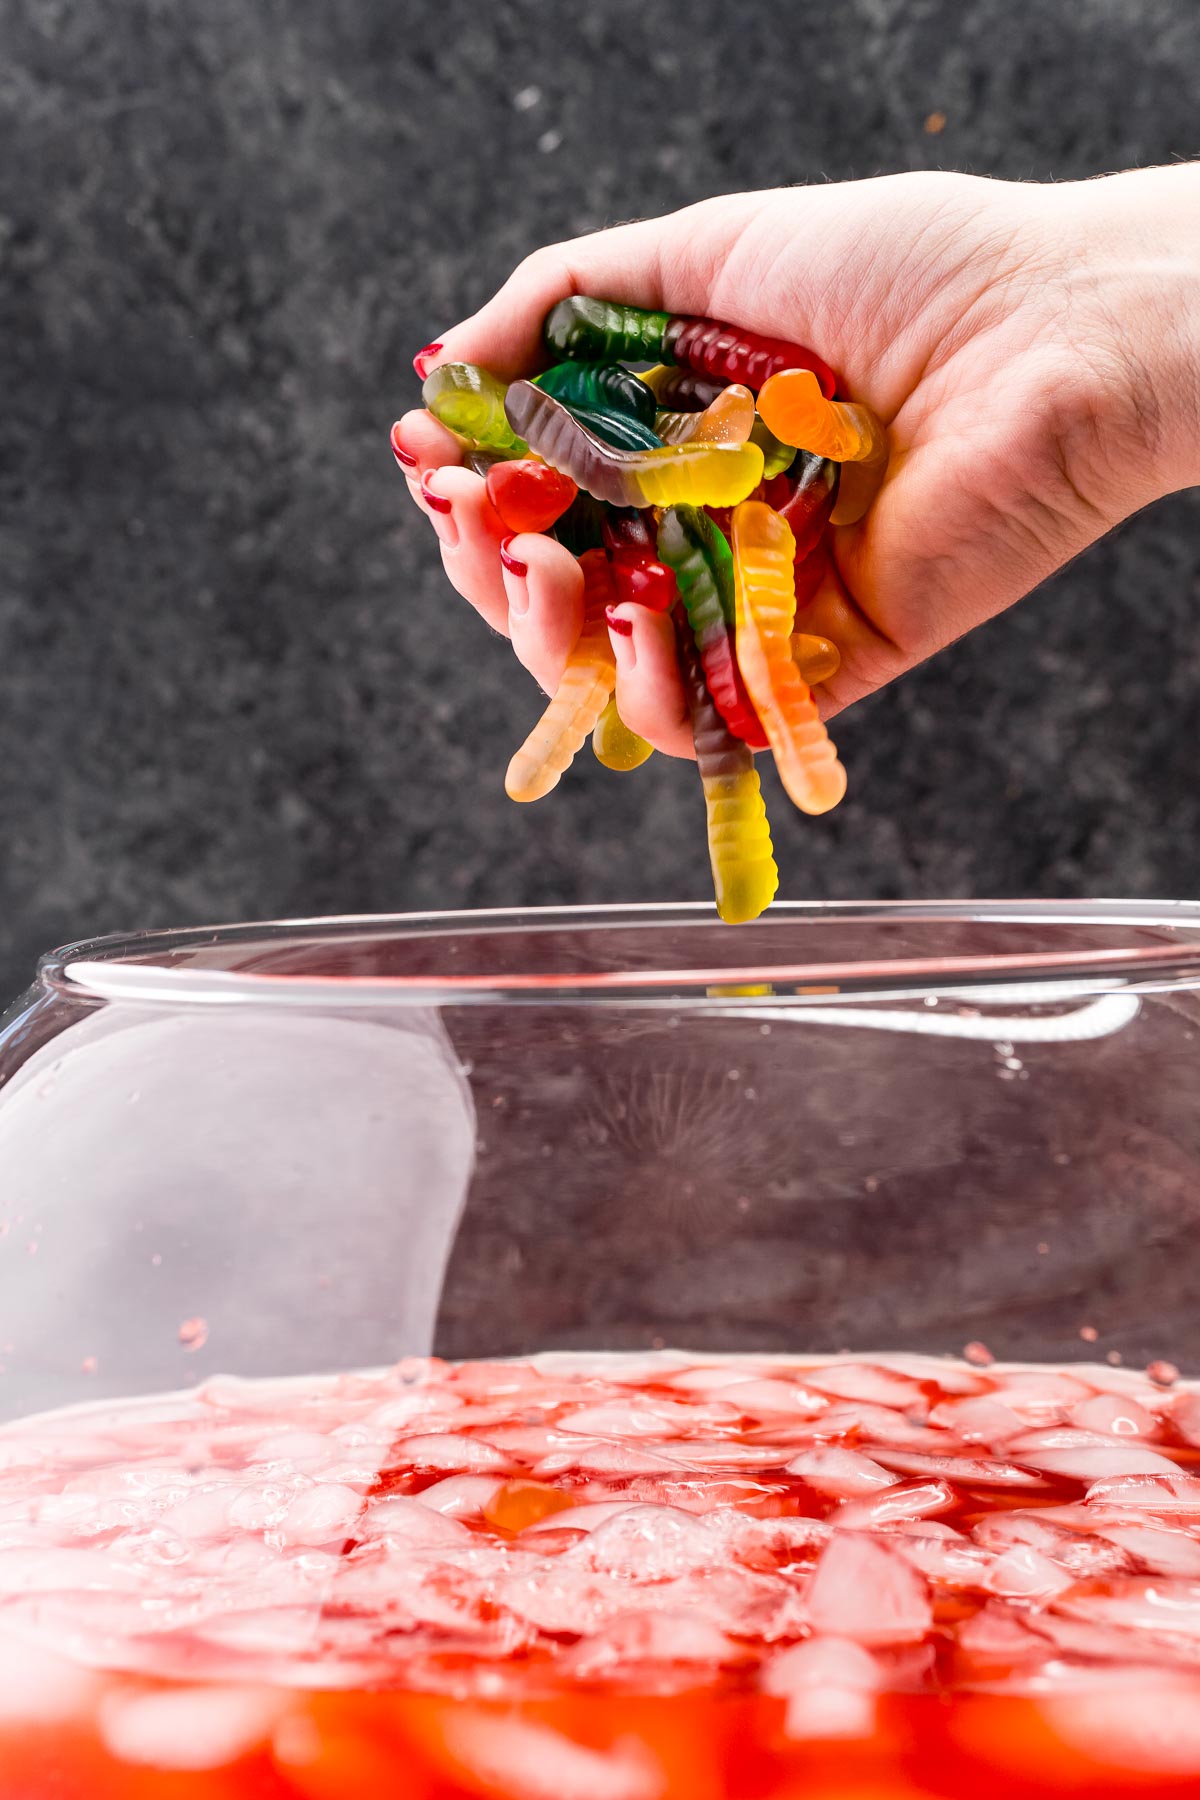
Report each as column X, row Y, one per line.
column 1033, row 350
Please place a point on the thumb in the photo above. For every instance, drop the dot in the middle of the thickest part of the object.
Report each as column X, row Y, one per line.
column 670, row 264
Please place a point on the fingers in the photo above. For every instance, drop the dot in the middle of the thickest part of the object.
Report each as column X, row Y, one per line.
column 670, row 263
column 650, row 696
column 543, row 587
column 420, row 444
column 469, row 532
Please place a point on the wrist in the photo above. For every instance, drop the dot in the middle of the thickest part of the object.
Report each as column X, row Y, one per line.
column 1145, row 258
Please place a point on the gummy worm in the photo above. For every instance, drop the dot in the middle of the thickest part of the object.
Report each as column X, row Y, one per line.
column 720, row 473
column 795, row 409
column 470, row 401
column 695, row 547
column 615, row 745
column 765, row 598
column 599, row 387
column 745, row 878
column 729, row 420
column 579, row 699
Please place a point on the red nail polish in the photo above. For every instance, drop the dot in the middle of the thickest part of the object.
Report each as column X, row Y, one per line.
column 622, row 627
column 401, row 455
column 438, row 502
column 513, row 564
column 419, row 358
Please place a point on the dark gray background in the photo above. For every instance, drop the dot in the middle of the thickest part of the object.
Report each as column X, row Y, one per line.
column 233, row 680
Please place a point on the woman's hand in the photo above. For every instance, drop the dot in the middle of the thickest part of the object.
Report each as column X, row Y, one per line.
column 1033, row 350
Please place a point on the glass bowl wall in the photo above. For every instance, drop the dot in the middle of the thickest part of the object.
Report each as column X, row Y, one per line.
column 283, row 1149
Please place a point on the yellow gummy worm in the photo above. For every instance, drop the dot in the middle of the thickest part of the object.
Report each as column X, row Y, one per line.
column 815, row 657
column 745, row 877
column 615, row 745
column 765, row 606
column 792, row 405
column 681, row 474
column 580, row 697
column 727, row 420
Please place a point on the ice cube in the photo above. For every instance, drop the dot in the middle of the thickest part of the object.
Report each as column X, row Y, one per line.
column 1080, row 1455
column 414, row 1403
column 864, row 1589
column 996, row 1640
column 1184, row 1415
column 1107, row 1641
column 1040, row 1395
column 61, row 1570
column 1023, row 1573
column 309, row 1452
column 715, row 1454
column 604, row 1459
column 39, row 1688
column 671, row 1637
column 911, row 1500
column 1151, row 1728
column 1157, row 1549
column 452, row 1452
column 1091, row 1463
column 645, row 1544
column 204, row 1514
column 769, row 1397
column 407, row 1519
column 866, row 1425
column 638, row 1419
column 189, row 1728
column 977, row 1420
column 515, row 1759
column 871, row 1384
column 582, row 1518
column 1148, row 1493
column 321, row 1515
column 1136, row 1602
column 949, row 1561
column 841, row 1474
column 830, row 1686
column 1115, row 1415
column 1083, row 1554
column 974, row 1471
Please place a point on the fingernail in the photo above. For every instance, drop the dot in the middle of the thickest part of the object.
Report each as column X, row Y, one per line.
column 419, row 358
column 440, row 515
column 403, row 456
column 514, row 580
column 621, row 639
column 512, row 563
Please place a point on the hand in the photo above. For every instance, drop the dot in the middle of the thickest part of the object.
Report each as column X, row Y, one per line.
column 1033, row 351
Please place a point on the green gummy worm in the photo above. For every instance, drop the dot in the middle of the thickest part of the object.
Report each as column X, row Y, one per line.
column 604, row 331
column 599, row 388
column 470, row 401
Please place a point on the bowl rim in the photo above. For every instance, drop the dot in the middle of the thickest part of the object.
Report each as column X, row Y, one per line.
column 144, row 967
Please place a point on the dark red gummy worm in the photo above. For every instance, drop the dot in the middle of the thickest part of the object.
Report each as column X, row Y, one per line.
column 733, row 355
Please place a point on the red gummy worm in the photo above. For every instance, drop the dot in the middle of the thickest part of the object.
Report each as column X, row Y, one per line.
column 732, row 355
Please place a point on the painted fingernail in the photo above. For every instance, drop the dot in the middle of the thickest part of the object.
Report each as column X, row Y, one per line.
column 421, row 357
column 512, row 563
column 623, row 647
column 402, row 456
column 437, row 502
column 514, row 586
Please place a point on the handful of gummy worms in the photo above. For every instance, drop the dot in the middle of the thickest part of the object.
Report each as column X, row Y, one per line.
column 703, row 486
